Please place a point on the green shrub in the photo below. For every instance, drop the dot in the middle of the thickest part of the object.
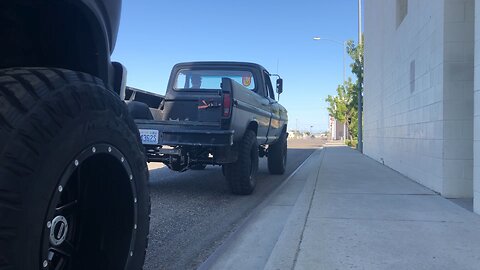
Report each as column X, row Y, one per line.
column 351, row 143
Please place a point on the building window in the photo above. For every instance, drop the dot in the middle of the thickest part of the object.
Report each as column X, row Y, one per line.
column 402, row 10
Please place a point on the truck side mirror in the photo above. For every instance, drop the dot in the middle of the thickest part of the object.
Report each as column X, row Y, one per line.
column 279, row 86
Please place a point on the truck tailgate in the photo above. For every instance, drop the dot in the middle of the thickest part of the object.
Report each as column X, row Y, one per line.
column 176, row 133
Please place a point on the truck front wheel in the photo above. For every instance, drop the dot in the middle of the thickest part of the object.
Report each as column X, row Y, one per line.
column 73, row 177
column 277, row 155
column 241, row 174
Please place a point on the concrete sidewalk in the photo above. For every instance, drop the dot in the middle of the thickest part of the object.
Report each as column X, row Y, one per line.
column 343, row 210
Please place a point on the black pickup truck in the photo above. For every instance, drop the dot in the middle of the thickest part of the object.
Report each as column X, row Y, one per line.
column 218, row 113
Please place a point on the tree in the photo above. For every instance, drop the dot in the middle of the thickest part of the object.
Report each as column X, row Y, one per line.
column 356, row 53
column 343, row 106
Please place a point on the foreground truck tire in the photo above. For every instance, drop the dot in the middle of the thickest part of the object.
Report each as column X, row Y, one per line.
column 241, row 174
column 73, row 177
column 198, row 167
column 277, row 155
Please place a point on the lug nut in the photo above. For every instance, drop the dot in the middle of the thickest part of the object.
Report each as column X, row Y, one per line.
column 76, row 162
column 109, row 149
column 49, row 224
column 45, row 263
column 94, row 149
column 60, row 188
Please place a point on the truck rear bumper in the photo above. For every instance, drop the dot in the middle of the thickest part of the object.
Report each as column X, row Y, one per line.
column 180, row 134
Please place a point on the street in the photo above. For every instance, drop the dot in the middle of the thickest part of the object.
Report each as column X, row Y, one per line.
column 193, row 212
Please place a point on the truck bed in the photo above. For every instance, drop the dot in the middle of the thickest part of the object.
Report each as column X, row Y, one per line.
column 171, row 132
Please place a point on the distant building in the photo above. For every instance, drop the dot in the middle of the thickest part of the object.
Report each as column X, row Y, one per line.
column 336, row 129
column 422, row 92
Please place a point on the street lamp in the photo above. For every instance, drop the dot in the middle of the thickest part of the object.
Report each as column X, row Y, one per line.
column 344, row 44
column 360, row 97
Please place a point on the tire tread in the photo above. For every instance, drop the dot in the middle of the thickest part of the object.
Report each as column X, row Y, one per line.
column 276, row 156
column 28, row 105
column 237, row 174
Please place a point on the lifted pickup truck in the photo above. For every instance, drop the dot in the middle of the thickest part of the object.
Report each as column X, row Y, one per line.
column 218, row 113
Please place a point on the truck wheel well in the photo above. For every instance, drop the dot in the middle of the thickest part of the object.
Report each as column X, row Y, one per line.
column 52, row 34
column 253, row 126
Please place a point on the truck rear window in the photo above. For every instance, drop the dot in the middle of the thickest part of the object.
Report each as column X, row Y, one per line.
column 211, row 79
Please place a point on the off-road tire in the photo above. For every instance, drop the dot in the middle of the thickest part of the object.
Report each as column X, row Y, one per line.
column 277, row 155
column 63, row 135
column 241, row 174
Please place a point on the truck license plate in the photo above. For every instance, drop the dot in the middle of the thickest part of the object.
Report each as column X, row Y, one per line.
column 149, row 136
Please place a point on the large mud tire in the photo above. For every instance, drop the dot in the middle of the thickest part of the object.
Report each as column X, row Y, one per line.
column 277, row 155
column 241, row 174
column 73, row 177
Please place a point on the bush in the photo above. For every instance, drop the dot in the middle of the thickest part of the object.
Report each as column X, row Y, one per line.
column 351, row 143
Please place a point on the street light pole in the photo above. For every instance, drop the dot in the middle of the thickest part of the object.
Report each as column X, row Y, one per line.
column 360, row 97
column 344, row 44
column 344, row 66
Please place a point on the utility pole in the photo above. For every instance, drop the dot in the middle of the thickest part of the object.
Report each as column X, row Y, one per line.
column 360, row 97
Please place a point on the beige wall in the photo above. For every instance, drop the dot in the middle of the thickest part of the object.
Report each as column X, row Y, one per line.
column 476, row 200
column 458, row 98
column 419, row 91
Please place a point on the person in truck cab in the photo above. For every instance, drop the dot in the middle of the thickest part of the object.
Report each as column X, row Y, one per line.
column 196, row 81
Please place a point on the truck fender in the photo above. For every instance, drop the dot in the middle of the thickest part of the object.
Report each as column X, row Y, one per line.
column 253, row 125
column 120, row 79
column 139, row 110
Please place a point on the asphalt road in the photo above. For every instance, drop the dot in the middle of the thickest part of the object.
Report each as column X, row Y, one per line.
column 193, row 212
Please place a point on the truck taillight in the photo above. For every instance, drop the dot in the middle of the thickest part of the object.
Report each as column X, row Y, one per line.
column 227, row 105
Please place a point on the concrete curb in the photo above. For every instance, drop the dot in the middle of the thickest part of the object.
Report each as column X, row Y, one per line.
column 218, row 257
column 286, row 249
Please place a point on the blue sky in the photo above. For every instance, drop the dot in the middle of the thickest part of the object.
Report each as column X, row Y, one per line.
column 154, row 35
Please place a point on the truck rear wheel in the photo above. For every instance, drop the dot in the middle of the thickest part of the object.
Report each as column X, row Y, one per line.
column 277, row 155
column 241, row 174
column 73, row 177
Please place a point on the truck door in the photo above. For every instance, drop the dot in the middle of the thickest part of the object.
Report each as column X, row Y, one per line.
column 274, row 108
column 264, row 115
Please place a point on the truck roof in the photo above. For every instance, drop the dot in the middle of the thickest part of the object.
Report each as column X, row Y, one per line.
column 220, row 63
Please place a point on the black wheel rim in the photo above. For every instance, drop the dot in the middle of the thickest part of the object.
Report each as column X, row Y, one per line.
column 63, row 222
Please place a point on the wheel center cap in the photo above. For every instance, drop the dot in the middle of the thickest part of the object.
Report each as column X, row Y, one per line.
column 59, row 230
